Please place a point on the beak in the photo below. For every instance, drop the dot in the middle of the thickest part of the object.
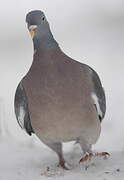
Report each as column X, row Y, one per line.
column 32, row 30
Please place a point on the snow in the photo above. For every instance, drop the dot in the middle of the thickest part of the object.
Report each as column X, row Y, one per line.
column 28, row 161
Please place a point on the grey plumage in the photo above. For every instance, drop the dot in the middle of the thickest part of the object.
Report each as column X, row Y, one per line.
column 61, row 99
column 99, row 91
column 21, row 106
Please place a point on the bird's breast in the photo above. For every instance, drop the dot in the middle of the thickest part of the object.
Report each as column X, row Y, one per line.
column 60, row 105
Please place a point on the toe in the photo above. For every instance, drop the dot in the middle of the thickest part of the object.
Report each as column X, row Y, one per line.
column 63, row 165
column 87, row 157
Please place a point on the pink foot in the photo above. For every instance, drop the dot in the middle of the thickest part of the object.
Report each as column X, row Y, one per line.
column 89, row 156
column 63, row 165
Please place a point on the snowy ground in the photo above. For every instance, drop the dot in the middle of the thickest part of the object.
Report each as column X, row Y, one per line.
column 29, row 160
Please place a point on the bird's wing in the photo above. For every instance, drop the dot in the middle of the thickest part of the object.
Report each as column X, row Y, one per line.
column 21, row 109
column 98, row 95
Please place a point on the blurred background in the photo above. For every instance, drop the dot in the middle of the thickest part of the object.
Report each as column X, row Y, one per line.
column 91, row 32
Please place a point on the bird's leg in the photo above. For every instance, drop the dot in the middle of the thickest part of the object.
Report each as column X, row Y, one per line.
column 62, row 162
column 88, row 152
column 57, row 147
column 86, row 148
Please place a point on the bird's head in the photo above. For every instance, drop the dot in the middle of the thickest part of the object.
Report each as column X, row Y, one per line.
column 39, row 29
column 37, row 23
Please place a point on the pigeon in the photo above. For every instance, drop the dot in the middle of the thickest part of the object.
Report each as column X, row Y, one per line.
column 59, row 99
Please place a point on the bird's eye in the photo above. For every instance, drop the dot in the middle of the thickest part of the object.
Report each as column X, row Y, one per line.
column 43, row 18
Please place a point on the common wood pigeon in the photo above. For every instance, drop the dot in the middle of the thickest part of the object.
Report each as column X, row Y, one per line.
column 59, row 99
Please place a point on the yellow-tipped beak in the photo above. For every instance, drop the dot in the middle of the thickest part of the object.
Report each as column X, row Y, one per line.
column 32, row 30
column 32, row 33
